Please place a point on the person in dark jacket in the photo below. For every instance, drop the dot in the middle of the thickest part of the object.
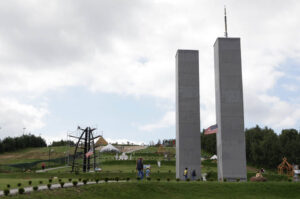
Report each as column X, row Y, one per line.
column 140, row 167
column 194, row 175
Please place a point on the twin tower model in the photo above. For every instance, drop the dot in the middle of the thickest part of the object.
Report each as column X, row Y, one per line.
column 229, row 110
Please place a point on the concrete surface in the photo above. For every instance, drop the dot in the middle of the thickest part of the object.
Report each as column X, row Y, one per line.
column 188, row 149
column 229, row 109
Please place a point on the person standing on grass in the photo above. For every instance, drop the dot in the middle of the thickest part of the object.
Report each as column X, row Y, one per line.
column 140, row 167
column 43, row 166
column 185, row 173
column 147, row 172
column 194, row 175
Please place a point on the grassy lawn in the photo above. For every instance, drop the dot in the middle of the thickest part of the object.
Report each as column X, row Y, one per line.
column 33, row 154
column 174, row 190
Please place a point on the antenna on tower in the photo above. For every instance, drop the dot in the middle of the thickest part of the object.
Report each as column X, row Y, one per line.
column 225, row 19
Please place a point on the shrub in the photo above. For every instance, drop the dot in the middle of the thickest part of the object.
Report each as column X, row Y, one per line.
column 21, row 190
column 79, row 179
column 49, row 186
column 6, row 192
column 62, row 184
column 85, row 181
column 35, row 188
column 75, row 183
column 50, row 180
column 127, row 179
column 187, row 179
column 70, row 179
column 168, row 179
column 117, row 179
column 148, row 178
column 97, row 180
column 29, row 182
column 106, row 179
column 59, row 180
column 41, row 182
column 198, row 179
column 19, row 184
column 158, row 179
column 138, row 178
column 8, row 186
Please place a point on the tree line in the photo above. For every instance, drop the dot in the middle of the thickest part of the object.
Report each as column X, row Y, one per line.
column 10, row 144
column 63, row 143
column 264, row 148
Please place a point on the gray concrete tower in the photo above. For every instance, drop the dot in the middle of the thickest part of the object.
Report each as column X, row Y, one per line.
column 188, row 150
column 230, row 111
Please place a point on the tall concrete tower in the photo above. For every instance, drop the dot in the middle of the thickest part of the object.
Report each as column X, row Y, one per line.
column 230, row 110
column 188, row 149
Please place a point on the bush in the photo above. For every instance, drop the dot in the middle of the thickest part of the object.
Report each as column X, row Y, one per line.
column 138, row 178
column 8, row 186
column 117, row 179
column 50, row 180
column 21, row 190
column 187, row 179
column 62, row 184
column 29, row 182
column 97, row 180
column 59, row 180
column 79, row 179
column 85, row 181
column 19, row 184
column 41, row 182
column 198, row 179
column 70, row 179
column 49, row 186
column 158, row 179
column 127, row 179
column 148, row 178
column 177, row 179
column 75, row 183
column 35, row 188
column 106, row 179
column 168, row 179
column 6, row 192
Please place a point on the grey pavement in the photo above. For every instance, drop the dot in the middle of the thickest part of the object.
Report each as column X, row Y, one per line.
column 54, row 168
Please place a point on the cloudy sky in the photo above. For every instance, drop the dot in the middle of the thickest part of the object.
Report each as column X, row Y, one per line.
column 110, row 64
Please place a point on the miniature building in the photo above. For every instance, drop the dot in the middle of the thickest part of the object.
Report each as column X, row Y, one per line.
column 285, row 167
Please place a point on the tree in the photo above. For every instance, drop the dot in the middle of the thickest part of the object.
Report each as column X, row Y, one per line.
column 209, row 143
column 262, row 147
column 290, row 145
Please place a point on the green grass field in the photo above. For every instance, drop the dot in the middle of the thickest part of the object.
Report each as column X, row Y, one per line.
column 174, row 190
column 277, row 186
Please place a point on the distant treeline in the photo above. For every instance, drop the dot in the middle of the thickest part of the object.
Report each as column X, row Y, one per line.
column 264, row 148
column 63, row 143
column 10, row 144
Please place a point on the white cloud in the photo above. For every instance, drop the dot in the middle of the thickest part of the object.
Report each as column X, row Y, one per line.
column 290, row 87
column 129, row 48
column 166, row 121
column 15, row 116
